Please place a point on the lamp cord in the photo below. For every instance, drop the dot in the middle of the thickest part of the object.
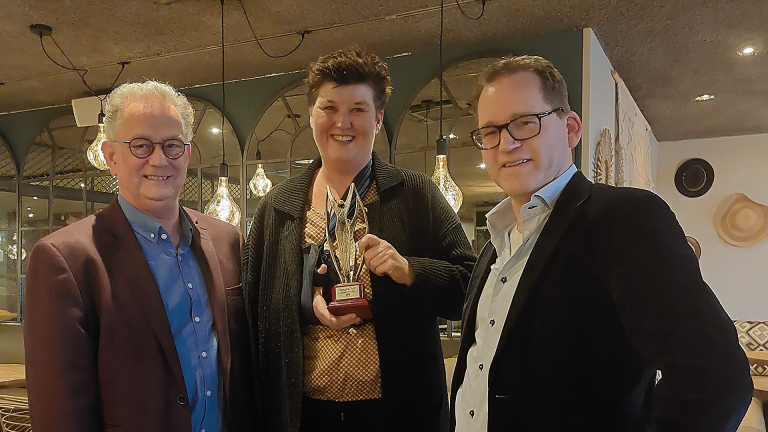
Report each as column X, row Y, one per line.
column 482, row 11
column 223, row 89
column 79, row 71
column 440, row 51
column 302, row 33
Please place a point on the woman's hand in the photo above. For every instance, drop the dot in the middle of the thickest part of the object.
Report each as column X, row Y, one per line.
column 322, row 313
column 383, row 259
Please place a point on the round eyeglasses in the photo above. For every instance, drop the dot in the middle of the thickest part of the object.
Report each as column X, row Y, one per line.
column 520, row 129
column 142, row 148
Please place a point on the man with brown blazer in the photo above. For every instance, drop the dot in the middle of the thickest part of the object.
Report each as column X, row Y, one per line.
column 584, row 290
column 133, row 316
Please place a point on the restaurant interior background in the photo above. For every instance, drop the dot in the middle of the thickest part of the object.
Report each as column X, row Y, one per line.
column 666, row 55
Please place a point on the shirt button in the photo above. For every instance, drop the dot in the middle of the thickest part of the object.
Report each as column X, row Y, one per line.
column 504, row 280
column 164, row 236
column 471, row 413
column 480, row 366
column 197, row 319
column 202, row 430
column 493, row 322
column 189, row 285
column 152, row 235
column 208, row 393
column 204, row 354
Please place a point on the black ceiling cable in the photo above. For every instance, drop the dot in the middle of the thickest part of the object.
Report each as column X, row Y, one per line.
column 79, row 71
column 440, row 50
column 482, row 11
column 276, row 129
column 223, row 92
column 302, row 33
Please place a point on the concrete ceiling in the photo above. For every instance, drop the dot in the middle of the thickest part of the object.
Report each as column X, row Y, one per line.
column 667, row 52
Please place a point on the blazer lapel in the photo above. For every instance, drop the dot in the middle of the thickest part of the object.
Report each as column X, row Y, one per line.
column 576, row 192
column 129, row 271
column 206, row 258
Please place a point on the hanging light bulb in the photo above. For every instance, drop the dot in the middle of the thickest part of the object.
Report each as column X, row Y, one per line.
column 222, row 206
column 95, row 156
column 442, row 177
column 260, row 184
column 13, row 249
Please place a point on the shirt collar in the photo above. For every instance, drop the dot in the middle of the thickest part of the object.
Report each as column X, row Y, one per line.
column 151, row 229
column 501, row 219
column 551, row 192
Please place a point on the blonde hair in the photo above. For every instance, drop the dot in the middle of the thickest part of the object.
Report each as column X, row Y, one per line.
column 553, row 86
column 146, row 92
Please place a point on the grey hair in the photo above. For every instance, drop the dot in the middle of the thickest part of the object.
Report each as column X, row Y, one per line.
column 146, row 92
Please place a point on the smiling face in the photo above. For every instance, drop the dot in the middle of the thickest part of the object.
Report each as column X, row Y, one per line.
column 521, row 168
column 152, row 185
column 344, row 124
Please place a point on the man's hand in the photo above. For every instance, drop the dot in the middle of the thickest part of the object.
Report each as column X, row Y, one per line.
column 383, row 259
column 326, row 317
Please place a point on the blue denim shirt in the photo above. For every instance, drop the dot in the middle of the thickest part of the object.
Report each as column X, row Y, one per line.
column 182, row 288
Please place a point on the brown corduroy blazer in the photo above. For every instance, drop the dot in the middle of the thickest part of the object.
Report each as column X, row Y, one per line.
column 99, row 349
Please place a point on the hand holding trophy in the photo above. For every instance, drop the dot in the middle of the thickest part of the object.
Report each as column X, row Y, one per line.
column 342, row 218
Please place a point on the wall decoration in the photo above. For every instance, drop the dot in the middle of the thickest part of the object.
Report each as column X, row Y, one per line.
column 694, row 177
column 740, row 221
column 694, row 245
column 633, row 143
column 604, row 158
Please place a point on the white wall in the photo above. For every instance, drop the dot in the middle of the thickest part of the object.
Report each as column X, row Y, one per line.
column 598, row 99
column 599, row 105
column 738, row 276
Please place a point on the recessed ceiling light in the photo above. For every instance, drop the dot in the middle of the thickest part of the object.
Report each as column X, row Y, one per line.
column 748, row 50
column 34, row 197
column 482, row 165
column 215, row 130
column 705, row 97
column 31, row 214
column 452, row 135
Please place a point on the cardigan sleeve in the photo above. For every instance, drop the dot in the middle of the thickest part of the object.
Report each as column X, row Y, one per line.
column 442, row 275
column 675, row 322
column 253, row 255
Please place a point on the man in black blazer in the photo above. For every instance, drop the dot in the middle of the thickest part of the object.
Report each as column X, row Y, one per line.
column 584, row 291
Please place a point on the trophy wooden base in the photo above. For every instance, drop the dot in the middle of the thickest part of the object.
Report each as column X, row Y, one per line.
column 348, row 298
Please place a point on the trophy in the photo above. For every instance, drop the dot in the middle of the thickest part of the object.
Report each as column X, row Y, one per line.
column 347, row 296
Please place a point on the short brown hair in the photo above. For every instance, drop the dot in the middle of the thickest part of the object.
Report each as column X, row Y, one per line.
column 350, row 66
column 553, row 86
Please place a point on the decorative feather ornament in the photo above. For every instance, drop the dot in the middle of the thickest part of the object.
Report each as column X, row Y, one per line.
column 604, row 158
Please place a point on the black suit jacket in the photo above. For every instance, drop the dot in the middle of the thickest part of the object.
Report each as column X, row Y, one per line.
column 611, row 292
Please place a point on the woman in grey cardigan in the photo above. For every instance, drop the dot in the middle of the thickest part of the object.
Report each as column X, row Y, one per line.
column 316, row 371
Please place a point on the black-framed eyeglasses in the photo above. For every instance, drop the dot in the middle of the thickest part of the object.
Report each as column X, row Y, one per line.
column 520, row 129
column 142, row 148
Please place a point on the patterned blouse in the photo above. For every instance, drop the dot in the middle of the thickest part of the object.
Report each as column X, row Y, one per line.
column 340, row 365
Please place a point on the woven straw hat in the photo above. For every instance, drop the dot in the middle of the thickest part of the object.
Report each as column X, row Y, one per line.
column 740, row 221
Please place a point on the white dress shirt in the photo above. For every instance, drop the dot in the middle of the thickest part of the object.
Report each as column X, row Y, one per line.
column 513, row 249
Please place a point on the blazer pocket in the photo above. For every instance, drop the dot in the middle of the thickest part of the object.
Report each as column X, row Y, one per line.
column 234, row 291
column 236, row 309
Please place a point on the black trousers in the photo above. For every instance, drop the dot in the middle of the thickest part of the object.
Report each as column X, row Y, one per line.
column 332, row 416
